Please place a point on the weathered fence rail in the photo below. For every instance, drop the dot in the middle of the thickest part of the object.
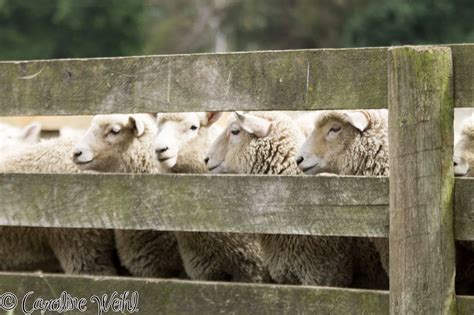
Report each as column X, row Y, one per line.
column 428, row 209
column 225, row 203
column 273, row 80
column 245, row 204
column 195, row 297
column 161, row 296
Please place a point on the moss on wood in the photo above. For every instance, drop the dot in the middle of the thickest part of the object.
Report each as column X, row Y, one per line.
column 260, row 204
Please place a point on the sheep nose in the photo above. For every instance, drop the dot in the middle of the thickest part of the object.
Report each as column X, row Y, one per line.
column 161, row 150
column 206, row 160
column 77, row 153
column 299, row 159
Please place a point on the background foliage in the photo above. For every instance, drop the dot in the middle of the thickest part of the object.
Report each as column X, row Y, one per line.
column 89, row 28
column 70, row 28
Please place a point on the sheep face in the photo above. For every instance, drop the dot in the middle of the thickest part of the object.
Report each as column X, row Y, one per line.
column 461, row 166
column 334, row 131
column 464, row 150
column 177, row 131
column 107, row 139
column 241, row 133
column 10, row 135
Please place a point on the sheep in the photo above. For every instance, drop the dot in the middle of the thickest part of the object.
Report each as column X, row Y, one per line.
column 69, row 132
column 305, row 121
column 181, row 144
column 28, row 134
column 77, row 251
column 352, row 143
column 123, row 144
column 182, row 140
column 464, row 150
column 13, row 137
column 266, row 143
column 48, row 156
column 343, row 141
column 461, row 166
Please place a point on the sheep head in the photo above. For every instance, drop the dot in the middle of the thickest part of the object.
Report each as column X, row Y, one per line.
column 335, row 136
column 256, row 143
column 108, row 139
column 178, row 132
column 10, row 135
column 464, row 150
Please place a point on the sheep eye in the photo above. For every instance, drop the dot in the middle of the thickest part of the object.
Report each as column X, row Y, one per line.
column 235, row 132
column 193, row 127
column 335, row 129
column 115, row 131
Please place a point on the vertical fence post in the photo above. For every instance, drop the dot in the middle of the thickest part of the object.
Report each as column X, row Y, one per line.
column 422, row 253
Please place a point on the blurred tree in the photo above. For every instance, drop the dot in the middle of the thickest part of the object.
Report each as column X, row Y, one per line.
column 286, row 24
column 70, row 28
column 382, row 23
column 90, row 28
column 180, row 26
column 177, row 26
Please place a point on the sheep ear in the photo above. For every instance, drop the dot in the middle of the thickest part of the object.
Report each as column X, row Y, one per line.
column 254, row 125
column 137, row 125
column 212, row 117
column 208, row 118
column 31, row 132
column 358, row 119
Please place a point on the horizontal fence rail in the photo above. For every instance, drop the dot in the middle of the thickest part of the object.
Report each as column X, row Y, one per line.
column 231, row 203
column 195, row 297
column 158, row 296
column 271, row 80
column 319, row 205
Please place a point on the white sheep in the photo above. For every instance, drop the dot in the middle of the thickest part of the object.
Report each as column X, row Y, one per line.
column 461, row 166
column 266, row 143
column 352, row 143
column 305, row 121
column 183, row 139
column 464, row 149
column 181, row 145
column 70, row 132
column 13, row 137
column 78, row 251
column 124, row 144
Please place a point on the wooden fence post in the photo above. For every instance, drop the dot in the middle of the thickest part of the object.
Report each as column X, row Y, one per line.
column 422, row 253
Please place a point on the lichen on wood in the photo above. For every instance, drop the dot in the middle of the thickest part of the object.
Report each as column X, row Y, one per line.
column 422, row 255
column 227, row 203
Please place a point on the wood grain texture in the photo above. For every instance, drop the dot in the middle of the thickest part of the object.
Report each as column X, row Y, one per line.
column 271, row 80
column 422, row 256
column 268, row 80
column 90, row 200
column 465, row 305
column 158, row 296
column 303, row 79
column 464, row 208
column 226, row 203
column 463, row 66
column 195, row 297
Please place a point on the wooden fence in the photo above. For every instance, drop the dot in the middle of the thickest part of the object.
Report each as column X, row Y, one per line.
column 426, row 207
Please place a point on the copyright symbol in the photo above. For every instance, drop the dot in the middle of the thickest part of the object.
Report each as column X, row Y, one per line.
column 8, row 301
